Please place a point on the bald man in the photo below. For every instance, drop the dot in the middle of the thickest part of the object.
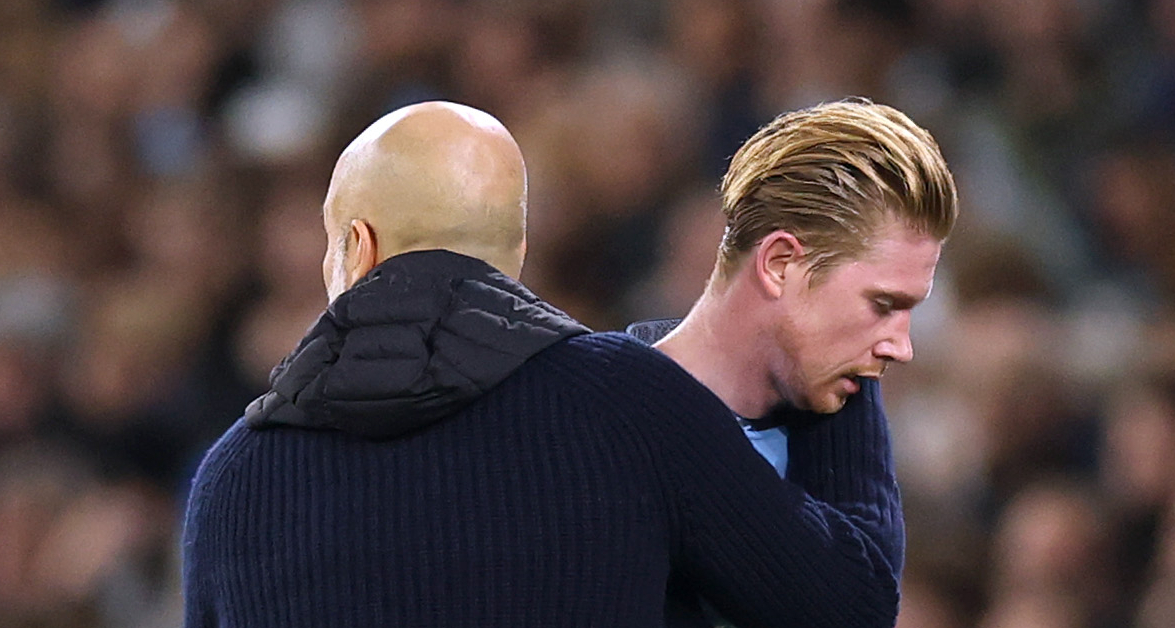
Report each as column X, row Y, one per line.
column 445, row 449
column 449, row 177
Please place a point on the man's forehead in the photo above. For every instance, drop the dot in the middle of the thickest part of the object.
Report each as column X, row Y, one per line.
column 902, row 263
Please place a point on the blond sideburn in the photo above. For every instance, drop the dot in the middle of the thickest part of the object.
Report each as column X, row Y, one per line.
column 831, row 175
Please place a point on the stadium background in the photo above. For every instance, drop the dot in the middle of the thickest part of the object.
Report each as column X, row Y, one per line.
column 162, row 165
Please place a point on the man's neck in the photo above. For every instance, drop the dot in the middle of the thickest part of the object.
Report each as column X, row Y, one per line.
column 715, row 343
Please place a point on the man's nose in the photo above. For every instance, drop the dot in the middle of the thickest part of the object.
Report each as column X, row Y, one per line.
column 897, row 345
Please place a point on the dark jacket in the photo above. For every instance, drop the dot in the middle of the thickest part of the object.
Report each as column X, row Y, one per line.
column 444, row 449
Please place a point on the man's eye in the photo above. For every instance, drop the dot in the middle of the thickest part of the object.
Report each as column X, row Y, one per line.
column 883, row 306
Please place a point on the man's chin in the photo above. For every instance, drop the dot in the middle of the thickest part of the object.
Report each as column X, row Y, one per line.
column 831, row 405
column 827, row 403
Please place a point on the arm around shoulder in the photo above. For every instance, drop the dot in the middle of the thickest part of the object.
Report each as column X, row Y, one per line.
column 847, row 463
column 760, row 548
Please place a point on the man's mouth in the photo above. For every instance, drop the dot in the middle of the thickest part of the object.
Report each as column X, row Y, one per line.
column 873, row 374
column 852, row 386
column 853, row 380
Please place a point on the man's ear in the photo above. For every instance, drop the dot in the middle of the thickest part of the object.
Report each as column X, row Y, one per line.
column 778, row 256
column 365, row 250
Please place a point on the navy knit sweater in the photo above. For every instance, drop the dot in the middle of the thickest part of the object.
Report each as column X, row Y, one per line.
column 444, row 449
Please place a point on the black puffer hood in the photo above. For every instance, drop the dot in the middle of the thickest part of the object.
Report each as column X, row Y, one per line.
column 420, row 337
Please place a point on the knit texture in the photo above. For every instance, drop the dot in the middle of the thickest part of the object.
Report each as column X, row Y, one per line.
column 564, row 498
column 565, row 494
column 843, row 460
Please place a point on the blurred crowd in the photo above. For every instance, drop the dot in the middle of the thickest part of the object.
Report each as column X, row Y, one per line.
column 163, row 164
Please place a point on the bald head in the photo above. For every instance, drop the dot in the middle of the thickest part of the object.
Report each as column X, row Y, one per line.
column 434, row 175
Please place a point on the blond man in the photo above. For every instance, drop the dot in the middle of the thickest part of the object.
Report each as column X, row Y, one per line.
column 835, row 217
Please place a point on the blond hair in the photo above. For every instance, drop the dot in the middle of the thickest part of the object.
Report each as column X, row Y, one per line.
column 831, row 175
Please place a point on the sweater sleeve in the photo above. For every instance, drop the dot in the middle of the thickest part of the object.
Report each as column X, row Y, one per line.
column 760, row 548
column 198, row 562
column 847, row 464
